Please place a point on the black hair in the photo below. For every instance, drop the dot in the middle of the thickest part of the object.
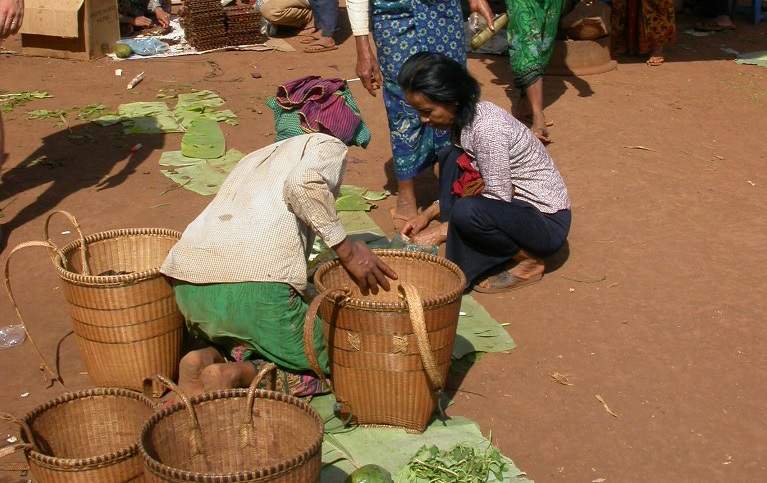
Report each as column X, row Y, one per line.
column 443, row 80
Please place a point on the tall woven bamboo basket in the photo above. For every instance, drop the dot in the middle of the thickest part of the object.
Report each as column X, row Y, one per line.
column 390, row 352
column 89, row 436
column 237, row 435
column 123, row 310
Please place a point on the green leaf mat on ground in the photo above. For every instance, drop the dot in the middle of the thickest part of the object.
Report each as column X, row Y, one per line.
column 478, row 331
column 203, row 139
column 203, row 176
column 392, row 448
column 154, row 117
column 10, row 100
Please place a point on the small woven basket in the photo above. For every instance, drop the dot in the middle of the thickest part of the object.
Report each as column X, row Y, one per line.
column 390, row 352
column 122, row 308
column 234, row 435
column 89, row 436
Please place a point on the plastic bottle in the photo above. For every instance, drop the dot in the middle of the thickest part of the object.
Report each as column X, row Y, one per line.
column 11, row 336
column 499, row 23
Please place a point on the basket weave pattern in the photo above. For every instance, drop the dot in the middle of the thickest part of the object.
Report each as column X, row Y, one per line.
column 217, row 438
column 128, row 326
column 89, row 436
column 378, row 367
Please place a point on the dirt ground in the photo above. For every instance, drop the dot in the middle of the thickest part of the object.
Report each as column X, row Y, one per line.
column 659, row 308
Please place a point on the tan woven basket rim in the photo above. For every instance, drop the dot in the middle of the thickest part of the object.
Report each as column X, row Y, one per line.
column 101, row 280
column 248, row 475
column 399, row 305
column 73, row 464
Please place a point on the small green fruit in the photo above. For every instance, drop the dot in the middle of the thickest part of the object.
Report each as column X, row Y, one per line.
column 123, row 51
column 370, row 474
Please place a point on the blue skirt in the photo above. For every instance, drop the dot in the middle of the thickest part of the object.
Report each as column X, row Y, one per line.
column 402, row 28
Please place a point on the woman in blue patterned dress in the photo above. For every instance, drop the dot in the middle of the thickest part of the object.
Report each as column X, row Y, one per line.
column 402, row 28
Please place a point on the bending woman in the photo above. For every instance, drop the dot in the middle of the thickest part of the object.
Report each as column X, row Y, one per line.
column 498, row 237
column 400, row 29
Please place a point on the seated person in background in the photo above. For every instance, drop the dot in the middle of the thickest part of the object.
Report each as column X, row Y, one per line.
column 295, row 14
column 139, row 14
column 240, row 267
column 523, row 212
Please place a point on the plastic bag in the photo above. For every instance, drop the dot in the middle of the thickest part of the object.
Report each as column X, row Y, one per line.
column 146, row 46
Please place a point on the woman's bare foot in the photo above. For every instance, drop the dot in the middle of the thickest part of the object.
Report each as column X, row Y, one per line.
column 228, row 375
column 656, row 57
column 313, row 33
column 191, row 368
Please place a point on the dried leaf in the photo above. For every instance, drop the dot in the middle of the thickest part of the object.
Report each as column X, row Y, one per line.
column 604, row 404
column 642, row 148
column 561, row 379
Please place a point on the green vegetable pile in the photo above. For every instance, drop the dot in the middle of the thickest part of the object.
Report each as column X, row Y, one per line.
column 462, row 463
column 11, row 100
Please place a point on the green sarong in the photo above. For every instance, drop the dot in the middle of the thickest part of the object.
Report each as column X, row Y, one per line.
column 532, row 29
column 267, row 318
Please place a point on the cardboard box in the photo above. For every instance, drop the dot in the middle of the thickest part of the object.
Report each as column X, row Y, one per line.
column 70, row 29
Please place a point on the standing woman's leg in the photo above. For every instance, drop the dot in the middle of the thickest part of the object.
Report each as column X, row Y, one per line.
column 657, row 29
column 532, row 30
column 325, row 13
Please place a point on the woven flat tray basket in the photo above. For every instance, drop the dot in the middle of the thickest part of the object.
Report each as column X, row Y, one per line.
column 390, row 352
column 89, row 436
column 234, row 436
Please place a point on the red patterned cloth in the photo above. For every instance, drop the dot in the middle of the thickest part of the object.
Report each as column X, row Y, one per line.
column 320, row 106
column 470, row 182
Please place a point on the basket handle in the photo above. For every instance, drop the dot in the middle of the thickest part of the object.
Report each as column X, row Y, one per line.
column 49, row 375
column 83, row 249
column 338, row 296
column 247, row 432
column 25, row 430
column 195, row 436
column 415, row 309
column 10, row 449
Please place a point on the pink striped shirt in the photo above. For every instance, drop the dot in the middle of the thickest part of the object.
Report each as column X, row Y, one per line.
column 512, row 161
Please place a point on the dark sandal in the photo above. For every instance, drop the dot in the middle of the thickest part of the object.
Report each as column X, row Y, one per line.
column 505, row 282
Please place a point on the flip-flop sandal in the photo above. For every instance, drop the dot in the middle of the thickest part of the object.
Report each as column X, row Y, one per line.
column 315, row 49
column 308, row 39
column 656, row 63
column 712, row 26
column 505, row 282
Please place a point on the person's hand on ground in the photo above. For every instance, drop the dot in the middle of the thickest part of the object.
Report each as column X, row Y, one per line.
column 11, row 16
column 481, row 7
column 366, row 269
column 141, row 22
column 416, row 224
column 163, row 18
column 368, row 69
column 431, row 236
